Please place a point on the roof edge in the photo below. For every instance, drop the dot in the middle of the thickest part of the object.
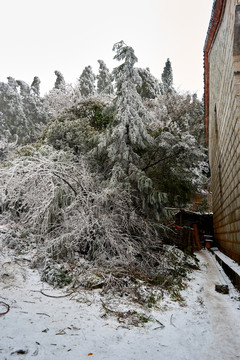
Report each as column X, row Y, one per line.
column 214, row 24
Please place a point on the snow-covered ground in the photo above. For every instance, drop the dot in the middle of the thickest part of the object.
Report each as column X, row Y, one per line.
column 205, row 326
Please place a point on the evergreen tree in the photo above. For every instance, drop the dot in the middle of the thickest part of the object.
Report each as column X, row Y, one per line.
column 60, row 82
column 12, row 83
column 104, row 80
column 129, row 136
column 22, row 112
column 13, row 120
column 127, row 139
column 167, row 77
column 178, row 156
column 35, row 86
column 24, row 88
column 87, row 82
column 149, row 87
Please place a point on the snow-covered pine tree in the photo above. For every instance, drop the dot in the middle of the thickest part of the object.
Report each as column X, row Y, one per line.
column 127, row 138
column 35, row 86
column 86, row 82
column 60, row 82
column 12, row 83
column 12, row 120
column 178, row 156
column 130, row 135
column 149, row 87
column 35, row 113
column 22, row 112
column 167, row 77
column 104, row 79
column 24, row 88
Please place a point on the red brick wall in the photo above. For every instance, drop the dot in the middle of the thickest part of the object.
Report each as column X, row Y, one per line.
column 223, row 128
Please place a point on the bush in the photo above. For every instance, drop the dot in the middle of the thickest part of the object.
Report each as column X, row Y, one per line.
column 76, row 127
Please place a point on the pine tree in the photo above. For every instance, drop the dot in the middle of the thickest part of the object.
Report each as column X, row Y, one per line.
column 149, row 87
column 129, row 136
column 13, row 120
column 87, row 82
column 60, row 82
column 35, row 86
column 12, row 83
column 127, row 139
column 178, row 156
column 22, row 112
column 24, row 88
column 167, row 77
column 104, row 79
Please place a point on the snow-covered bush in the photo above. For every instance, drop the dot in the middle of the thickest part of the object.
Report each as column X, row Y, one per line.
column 6, row 148
column 72, row 214
column 60, row 98
column 76, row 127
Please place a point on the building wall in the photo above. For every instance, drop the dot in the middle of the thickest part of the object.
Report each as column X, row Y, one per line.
column 224, row 130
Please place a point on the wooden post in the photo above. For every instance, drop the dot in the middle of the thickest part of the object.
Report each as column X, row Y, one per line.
column 181, row 232
column 196, row 236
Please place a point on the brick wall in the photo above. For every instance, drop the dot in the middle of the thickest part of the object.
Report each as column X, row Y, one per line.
column 224, row 130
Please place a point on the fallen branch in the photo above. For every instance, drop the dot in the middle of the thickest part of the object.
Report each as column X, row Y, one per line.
column 119, row 314
column 42, row 314
column 6, row 306
column 162, row 326
column 22, row 259
column 64, row 180
column 19, row 352
column 56, row 297
column 171, row 322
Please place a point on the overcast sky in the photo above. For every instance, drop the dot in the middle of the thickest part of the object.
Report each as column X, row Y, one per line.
column 40, row 36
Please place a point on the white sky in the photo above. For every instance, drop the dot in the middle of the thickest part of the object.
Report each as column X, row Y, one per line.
column 40, row 36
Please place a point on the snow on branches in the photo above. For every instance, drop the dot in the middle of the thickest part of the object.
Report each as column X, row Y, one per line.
column 96, row 185
column 71, row 213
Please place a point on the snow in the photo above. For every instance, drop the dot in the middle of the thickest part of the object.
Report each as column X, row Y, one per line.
column 229, row 262
column 206, row 325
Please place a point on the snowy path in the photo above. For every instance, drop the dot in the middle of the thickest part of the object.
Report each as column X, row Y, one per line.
column 205, row 327
column 223, row 317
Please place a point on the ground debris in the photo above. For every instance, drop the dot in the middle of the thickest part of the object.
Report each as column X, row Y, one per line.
column 161, row 325
column 6, row 306
column 43, row 314
column 223, row 289
column 45, row 330
column 19, row 352
column 171, row 321
column 55, row 296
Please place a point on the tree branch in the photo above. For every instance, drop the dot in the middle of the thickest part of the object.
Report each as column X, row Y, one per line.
column 162, row 159
column 75, row 192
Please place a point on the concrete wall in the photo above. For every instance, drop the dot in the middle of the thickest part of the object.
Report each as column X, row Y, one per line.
column 224, row 130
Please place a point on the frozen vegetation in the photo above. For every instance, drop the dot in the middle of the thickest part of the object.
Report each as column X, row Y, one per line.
column 89, row 174
column 89, row 171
